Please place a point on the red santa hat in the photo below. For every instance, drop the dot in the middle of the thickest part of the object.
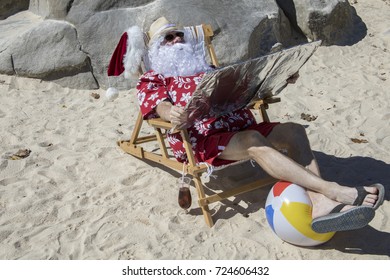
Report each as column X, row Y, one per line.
column 132, row 47
column 128, row 53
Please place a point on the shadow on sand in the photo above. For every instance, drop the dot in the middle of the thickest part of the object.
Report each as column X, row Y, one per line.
column 351, row 171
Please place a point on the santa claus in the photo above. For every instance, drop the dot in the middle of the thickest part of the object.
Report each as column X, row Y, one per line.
column 175, row 65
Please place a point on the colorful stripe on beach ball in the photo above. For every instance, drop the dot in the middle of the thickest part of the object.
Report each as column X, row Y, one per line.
column 288, row 211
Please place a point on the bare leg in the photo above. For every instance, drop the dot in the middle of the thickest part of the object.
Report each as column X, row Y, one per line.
column 251, row 144
column 292, row 138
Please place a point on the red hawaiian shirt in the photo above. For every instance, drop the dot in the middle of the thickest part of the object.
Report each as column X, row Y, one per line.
column 208, row 136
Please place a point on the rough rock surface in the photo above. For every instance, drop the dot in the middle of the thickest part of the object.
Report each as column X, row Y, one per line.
column 331, row 21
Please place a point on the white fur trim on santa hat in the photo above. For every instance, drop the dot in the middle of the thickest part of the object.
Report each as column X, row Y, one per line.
column 135, row 50
column 112, row 93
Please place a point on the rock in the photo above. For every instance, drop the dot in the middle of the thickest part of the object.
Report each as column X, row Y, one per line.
column 49, row 50
column 235, row 39
column 10, row 30
column 328, row 20
column 71, row 41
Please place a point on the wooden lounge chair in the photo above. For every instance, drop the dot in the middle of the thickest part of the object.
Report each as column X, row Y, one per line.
column 135, row 146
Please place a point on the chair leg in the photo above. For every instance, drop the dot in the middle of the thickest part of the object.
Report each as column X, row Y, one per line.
column 207, row 215
column 201, row 195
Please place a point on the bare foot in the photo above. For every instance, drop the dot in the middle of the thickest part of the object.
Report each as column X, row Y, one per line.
column 349, row 195
column 323, row 205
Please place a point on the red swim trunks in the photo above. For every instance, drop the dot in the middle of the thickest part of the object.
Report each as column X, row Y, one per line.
column 212, row 146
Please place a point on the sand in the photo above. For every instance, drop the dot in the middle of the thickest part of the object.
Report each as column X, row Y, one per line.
column 78, row 196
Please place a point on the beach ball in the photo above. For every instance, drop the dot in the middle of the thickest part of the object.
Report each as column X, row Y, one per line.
column 288, row 210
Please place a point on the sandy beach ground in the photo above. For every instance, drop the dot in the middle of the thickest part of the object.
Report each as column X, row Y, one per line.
column 78, row 196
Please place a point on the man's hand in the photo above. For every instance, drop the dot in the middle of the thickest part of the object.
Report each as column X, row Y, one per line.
column 174, row 114
column 178, row 117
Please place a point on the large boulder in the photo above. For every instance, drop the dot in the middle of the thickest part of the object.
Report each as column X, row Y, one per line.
column 71, row 41
column 235, row 38
column 331, row 21
column 10, row 30
column 50, row 50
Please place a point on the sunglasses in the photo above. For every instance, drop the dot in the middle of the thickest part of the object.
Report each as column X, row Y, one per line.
column 169, row 37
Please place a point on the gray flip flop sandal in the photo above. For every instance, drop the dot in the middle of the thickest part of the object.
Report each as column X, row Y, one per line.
column 362, row 193
column 351, row 219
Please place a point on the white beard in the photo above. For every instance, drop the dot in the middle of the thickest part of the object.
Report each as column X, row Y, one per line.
column 176, row 60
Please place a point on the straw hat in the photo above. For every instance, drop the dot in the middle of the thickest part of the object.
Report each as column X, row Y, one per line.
column 160, row 27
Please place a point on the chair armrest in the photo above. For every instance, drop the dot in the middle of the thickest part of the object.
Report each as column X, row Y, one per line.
column 270, row 100
column 264, row 102
column 160, row 123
